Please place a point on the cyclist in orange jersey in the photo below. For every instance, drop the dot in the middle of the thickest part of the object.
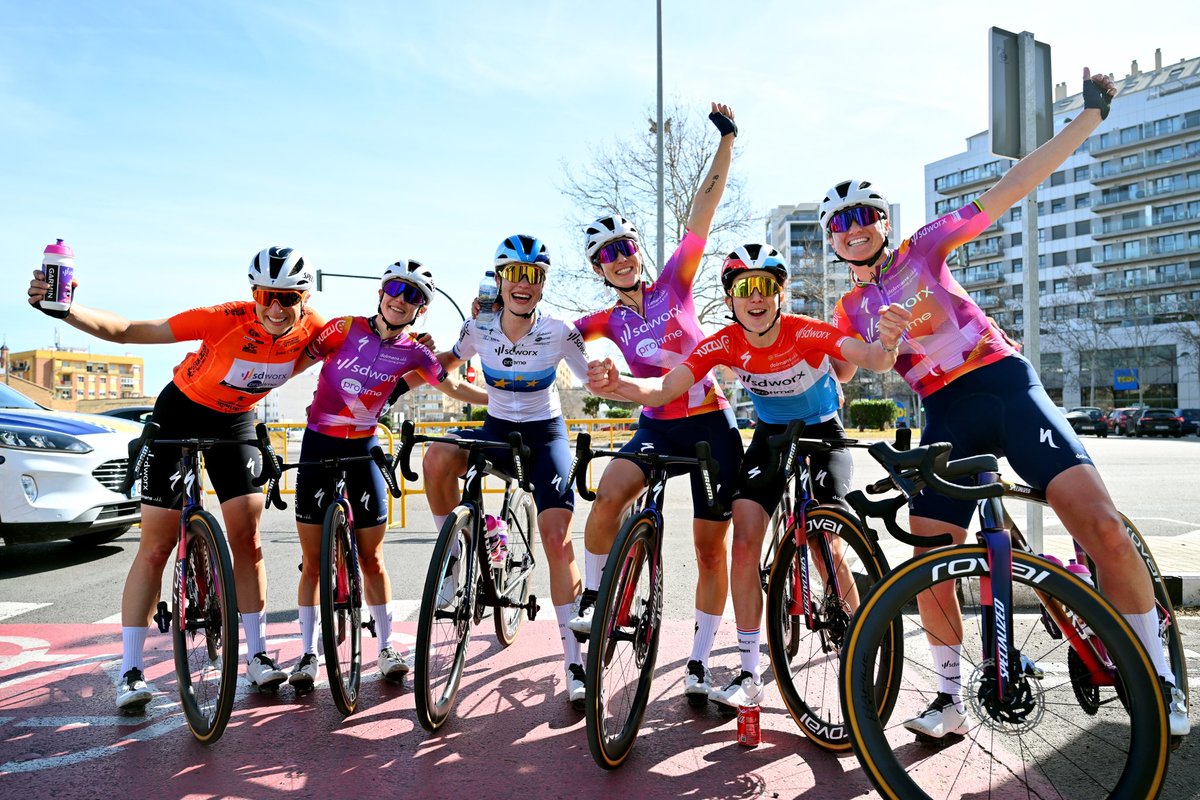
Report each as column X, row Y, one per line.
column 246, row 349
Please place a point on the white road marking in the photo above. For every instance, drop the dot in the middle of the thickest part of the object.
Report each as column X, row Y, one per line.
column 8, row 609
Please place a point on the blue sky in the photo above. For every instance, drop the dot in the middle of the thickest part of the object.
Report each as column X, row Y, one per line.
column 169, row 142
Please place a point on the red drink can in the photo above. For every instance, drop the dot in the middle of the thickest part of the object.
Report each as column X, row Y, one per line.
column 748, row 731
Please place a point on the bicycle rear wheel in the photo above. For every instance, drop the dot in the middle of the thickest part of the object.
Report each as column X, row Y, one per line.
column 205, row 629
column 341, row 609
column 444, row 627
column 623, row 644
column 1034, row 742
column 512, row 582
column 789, row 624
column 807, row 676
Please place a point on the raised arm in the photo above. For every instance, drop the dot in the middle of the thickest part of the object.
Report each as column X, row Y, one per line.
column 708, row 196
column 105, row 324
column 1036, row 167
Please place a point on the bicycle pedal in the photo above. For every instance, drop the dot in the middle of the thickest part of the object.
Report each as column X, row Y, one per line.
column 532, row 608
column 582, row 638
column 369, row 625
column 162, row 617
column 948, row 740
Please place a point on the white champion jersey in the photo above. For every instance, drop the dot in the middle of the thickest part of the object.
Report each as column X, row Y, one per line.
column 520, row 376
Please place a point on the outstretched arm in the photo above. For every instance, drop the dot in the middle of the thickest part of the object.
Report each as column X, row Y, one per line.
column 105, row 324
column 604, row 381
column 1036, row 167
column 708, row 197
column 880, row 355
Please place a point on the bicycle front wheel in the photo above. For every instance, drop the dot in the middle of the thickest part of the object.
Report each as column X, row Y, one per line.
column 513, row 580
column 341, row 609
column 205, row 628
column 789, row 624
column 1037, row 740
column 444, row 627
column 624, row 643
column 807, row 676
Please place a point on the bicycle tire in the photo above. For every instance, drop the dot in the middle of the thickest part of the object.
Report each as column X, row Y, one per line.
column 789, row 624
column 205, row 634
column 444, row 630
column 1125, row 753
column 517, row 575
column 341, row 610
column 624, row 643
column 808, row 675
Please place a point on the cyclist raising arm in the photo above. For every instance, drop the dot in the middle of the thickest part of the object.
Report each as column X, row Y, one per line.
column 983, row 397
column 655, row 326
column 784, row 361
column 520, row 353
column 246, row 349
column 364, row 359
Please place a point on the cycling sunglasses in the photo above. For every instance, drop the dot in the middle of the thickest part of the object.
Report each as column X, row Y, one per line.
column 285, row 297
column 614, row 250
column 405, row 291
column 863, row 215
column 765, row 285
column 515, row 273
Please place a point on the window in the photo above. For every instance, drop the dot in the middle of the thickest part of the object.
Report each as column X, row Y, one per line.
column 1058, row 205
column 1059, row 259
column 1083, row 200
column 1015, row 213
column 1058, row 232
column 1058, row 178
column 1060, row 286
column 1081, row 173
column 1083, row 255
column 1017, row 292
column 1083, row 227
column 1018, row 265
column 1015, row 239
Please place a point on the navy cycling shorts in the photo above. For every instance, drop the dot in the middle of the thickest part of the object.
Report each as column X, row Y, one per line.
column 316, row 486
column 1001, row 409
column 678, row 437
column 832, row 471
column 550, row 456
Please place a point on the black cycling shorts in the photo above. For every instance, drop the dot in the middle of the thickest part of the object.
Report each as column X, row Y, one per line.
column 316, row 486
column 831, row 471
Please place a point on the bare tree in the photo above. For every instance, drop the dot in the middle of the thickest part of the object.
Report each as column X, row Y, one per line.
column 621, row 178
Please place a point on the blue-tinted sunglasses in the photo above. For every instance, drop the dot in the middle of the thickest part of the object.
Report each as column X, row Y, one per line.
column 405, row 291
column 863, row 215
column 614, row 250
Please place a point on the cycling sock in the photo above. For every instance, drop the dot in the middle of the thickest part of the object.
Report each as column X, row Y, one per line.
column 133, row 642
column 439, row 520
column 1145, row 627
column 749, row 646
column 254, row 624
column 947, row 662
column 571, row 650
column 593, row 568
column 383, row 625
column 706, row 633
column 308, row 628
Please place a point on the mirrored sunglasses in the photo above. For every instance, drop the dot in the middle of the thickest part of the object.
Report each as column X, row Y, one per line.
column 285, row 297
column 405, row 291
column 614, row 250
column 763, row 284
column 863, row 215
column 515, row 273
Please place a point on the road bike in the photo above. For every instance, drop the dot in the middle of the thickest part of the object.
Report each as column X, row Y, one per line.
column 627, row 621
column 341, row 587
column 203, row 616
column 465, row 579
column 1062, row 698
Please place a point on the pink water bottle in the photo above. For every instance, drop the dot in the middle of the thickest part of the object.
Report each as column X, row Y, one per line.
column 58, row 265
column 497, row 539
column 1081, row 571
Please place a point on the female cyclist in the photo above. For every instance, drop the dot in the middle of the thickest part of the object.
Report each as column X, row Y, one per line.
column 365, row 359
column 246, row 349
column 983, row 397
column 655, row 326
column 520, row 352
column 784, row 361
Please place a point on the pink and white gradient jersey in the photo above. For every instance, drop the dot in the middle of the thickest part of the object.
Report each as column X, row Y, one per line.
column 359, row 374
column 658, row 342
column 949, row 335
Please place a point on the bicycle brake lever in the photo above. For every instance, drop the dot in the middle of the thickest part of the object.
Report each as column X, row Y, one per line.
column 385, row 467
column 407, row 431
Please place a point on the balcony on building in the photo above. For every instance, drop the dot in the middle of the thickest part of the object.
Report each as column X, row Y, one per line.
column 972, row 177
column 1156, row 132
column 979, row 277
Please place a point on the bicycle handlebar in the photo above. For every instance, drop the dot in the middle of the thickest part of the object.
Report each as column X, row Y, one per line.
column 141, row 446
column 792, row 440
column 520, row 451
column 584, row 454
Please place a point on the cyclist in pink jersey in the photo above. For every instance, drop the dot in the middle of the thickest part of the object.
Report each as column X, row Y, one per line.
column 783, row 360
column 655, row 326
column 983, row 397
column 364, row 361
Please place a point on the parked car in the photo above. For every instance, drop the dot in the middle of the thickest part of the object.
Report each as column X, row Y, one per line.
column 60, row 473
column 745, row 422
column 1117, row 419
column 1154, row 422
column 135, row 413
column 1087, row 419
column 1191, row 420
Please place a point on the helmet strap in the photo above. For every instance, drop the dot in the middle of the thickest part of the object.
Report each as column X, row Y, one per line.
column 388, row 325
column 778, row 313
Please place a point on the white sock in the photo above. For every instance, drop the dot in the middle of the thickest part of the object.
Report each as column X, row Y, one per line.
column 593, row 568
column 383, row 625
column 706, row 633
column 439, row 521
column 749, row 648
column 254, row 624
column 571, row 649
column 308, row 628
column 133, row 642
column 947, row 663
column 1145, row 627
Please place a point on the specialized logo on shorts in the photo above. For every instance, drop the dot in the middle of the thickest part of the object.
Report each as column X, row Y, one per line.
column 1047, row 437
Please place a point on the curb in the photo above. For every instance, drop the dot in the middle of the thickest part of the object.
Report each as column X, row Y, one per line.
column 1184, row 590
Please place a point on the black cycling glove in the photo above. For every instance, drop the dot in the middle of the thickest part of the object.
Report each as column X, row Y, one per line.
column 1095, row 97
column 724, row 124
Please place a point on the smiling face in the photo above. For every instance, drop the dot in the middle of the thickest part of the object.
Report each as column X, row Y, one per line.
column 521, row 296
column 758, row 311
column 278, row 311
column 622, row 269
column 860, row 242
column 398, row 310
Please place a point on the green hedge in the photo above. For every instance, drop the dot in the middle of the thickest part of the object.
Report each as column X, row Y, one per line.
column 872, row 413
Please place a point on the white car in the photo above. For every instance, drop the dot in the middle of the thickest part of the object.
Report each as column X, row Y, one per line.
column 60, row 474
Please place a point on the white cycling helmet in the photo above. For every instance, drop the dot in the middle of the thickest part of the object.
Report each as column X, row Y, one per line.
column 848, row 194
column 281, row 268
column 608, row 229
column 413, row 272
